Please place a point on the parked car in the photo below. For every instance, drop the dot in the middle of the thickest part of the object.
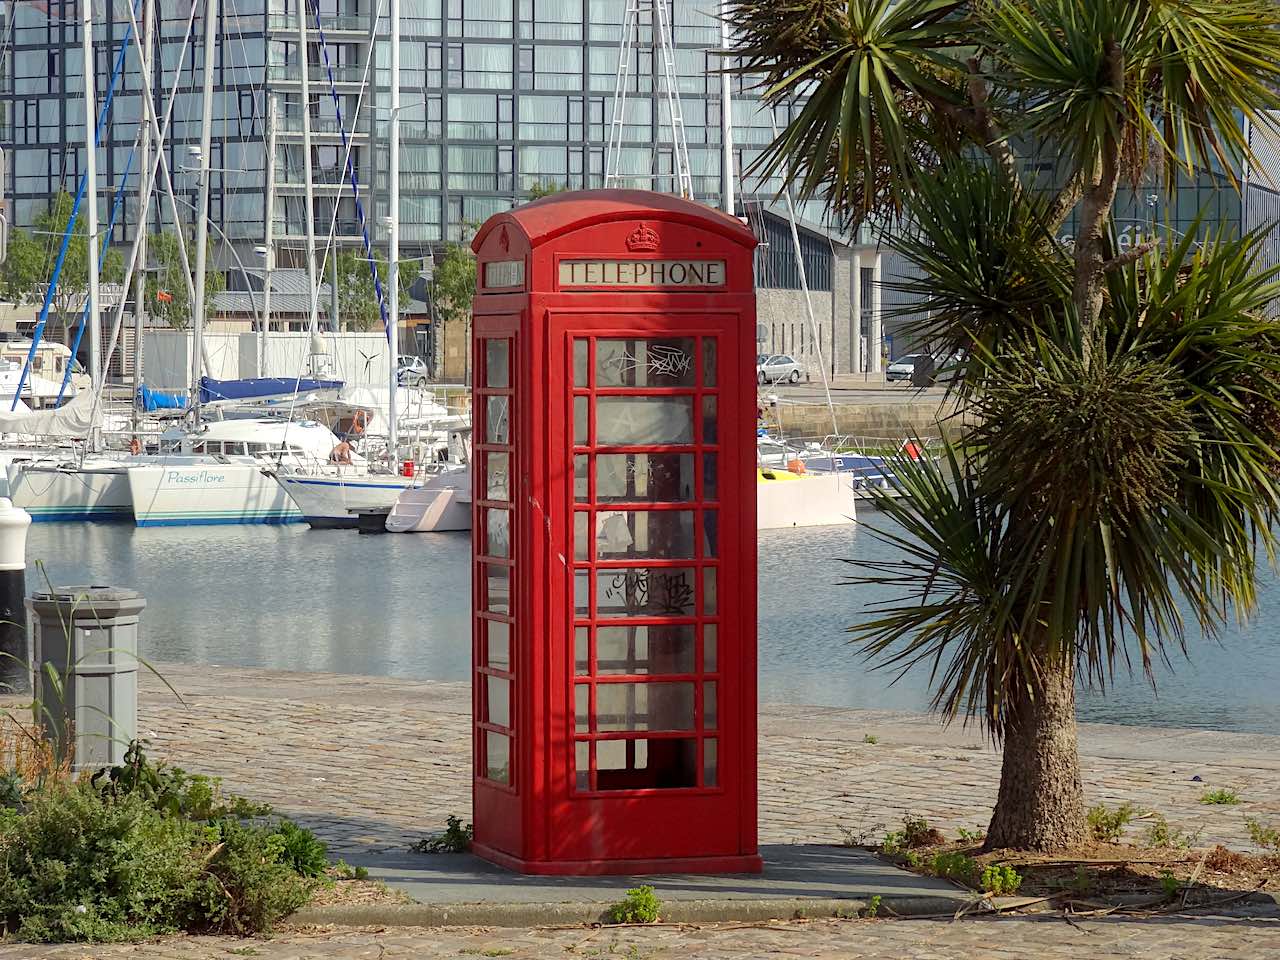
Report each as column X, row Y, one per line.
column 413, row 372
column 778, row 368
column 903, row 367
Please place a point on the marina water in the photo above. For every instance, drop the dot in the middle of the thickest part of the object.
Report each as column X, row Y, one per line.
column 289, row 598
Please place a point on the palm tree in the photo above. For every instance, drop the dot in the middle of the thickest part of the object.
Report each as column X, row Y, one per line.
column 1123, row 466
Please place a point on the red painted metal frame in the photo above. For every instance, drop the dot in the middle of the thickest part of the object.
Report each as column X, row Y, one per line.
column 539, row 822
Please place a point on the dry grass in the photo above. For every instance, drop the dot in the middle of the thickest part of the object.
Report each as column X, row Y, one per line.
column 26, row 752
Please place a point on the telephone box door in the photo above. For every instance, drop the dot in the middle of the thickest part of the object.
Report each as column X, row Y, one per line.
column 650, row 686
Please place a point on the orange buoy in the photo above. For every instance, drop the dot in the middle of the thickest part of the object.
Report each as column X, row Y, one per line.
column 795, row 465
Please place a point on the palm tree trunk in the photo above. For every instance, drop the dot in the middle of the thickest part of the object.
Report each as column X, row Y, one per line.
column 1041, row 802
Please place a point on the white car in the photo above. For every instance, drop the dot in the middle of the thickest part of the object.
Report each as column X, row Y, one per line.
column 413, row 372
column 776, row 368
column 903, row 368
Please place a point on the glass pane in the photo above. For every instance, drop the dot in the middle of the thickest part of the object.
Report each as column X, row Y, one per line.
column 582, row 650
column 582, row 535
column 497, row 757
column 497, row 363
column 497, row 429
column 646, row 764
column 645, row 363
column 709, row 591
column 644, row 477
column 498, row 589
column 582, row 708
column 497, row 532
column 710, row 489
column 579, row 361
column 710, row 768
column 709, row 707
column 650, row 649
column 499, row 643
column 643, row 420
column 632, row 591
column 582, row 592
column 710, row 533
column 580, row 422
column 582, row 764
column 498, row 696
column 709, row 648
column 497, row 476
column 658, row 534
column 709, row 431
column 581, row 478
column 708, row 361
column 644, row 706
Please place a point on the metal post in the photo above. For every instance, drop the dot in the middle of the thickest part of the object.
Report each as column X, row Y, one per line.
column 393, row 240
column 304, row 68
column 202, row 215
column 877, row 323
column 726, row 120
column 15, row 655
column 855, row 306
column 91, row 191
column 144, row 201
column 268, row 232
column 334, row 308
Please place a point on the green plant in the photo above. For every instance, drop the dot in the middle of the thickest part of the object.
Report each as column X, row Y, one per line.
column 1169, row 884
column 1263, row 835
column 873, row 907
column 344, row 871
column 173, row 790
column 915, row 832
column 869, row 739
column 456, row 838
column 912, row 860
column 303, row 850
column 971, row 836
column 640, row 905
column 1108, row 825
column 1001, row 880
column 1116, row 482
column 1081, row 883
column 956, row 866
column 1161, row 835
column 1222, row 796
column 12, row 789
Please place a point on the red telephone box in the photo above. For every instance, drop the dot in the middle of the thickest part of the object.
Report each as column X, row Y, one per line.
column 614, row 537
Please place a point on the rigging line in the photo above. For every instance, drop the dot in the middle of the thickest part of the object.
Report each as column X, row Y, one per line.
column 99, row 129
column 351, row 173
column 116, row 204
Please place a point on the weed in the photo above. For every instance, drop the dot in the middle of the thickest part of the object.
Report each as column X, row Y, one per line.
column 344, row 871
column 1000, row 880
column 1081, row 883
column 1108, row 825
column 303, row 850
column 455, row 839
column 640, row 905
column 1223, row 796
column 860, row 835
column 244, row 951
column 489, row 952
column 971, row 836
column 1160, row 835
column 913, row 860
column 1169, row 884
column 873, row 907
column 956, row 866
column 870, row 739
column 1263, row 835
column 915, row 832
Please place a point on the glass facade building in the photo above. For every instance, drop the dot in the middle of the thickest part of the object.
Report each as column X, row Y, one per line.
column 499, row 97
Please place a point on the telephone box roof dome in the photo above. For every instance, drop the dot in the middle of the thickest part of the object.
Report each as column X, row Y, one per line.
column 547, row 218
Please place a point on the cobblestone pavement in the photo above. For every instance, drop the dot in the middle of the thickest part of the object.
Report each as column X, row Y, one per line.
column 1005, row 938
column 372, row 763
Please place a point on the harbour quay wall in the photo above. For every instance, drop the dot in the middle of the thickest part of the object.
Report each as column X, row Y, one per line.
column 892, row 421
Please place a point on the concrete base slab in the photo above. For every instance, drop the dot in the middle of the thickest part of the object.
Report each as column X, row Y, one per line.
column 798, row 880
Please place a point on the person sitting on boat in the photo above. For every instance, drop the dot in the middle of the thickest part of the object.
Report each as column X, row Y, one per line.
column 135, row 446
column 341, row 453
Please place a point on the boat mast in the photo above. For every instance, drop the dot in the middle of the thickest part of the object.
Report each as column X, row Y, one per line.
column 91, row 192
column 144, row 200
column 268, row 232
column 202, row 222
column 308, row 219
column 393, row 238
column 727, row 199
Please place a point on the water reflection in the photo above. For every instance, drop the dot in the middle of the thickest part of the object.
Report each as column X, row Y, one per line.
column 293, row 599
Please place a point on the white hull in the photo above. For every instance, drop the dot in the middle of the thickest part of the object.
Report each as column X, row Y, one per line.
column 207, row 493
column 813, row 500
column 49, row 491
column 328, row 501
column 440, row 505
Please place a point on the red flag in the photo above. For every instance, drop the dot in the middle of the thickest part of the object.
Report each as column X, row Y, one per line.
column 164, row 296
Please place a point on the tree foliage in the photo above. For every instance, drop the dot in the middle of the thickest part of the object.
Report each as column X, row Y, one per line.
column 166, row 288
column 1122, row 470
column 357, row 296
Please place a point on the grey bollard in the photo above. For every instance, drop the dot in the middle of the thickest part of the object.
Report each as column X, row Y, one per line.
column 15, row 658
column 88, row 636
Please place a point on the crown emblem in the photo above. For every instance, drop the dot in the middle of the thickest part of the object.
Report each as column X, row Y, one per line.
column 643, row 239
column 504, row 241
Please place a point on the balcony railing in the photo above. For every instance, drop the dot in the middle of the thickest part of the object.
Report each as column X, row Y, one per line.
column 320, row 127
column 342, row 23
column 288, row 73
